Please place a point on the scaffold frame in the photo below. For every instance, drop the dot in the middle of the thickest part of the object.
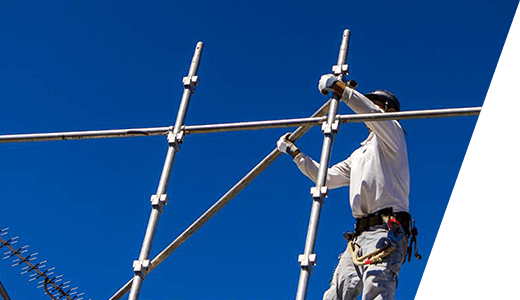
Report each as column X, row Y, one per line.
column 326, row 116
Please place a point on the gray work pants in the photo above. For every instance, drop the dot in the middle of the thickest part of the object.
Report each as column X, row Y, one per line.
column 372, row 281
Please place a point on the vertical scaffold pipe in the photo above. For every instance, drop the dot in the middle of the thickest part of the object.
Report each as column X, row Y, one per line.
column 141, row 266
column 308, row 258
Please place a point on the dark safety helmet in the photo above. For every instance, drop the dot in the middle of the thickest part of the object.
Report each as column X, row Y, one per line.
column 385, row 99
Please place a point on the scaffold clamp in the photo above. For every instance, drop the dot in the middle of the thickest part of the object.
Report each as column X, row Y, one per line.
column 330, row 129
column 190, row 82
column 176, row 139
column 319, row 193
column 340, row 70
column 141, row 267
column 159, row 201
column 307, row 260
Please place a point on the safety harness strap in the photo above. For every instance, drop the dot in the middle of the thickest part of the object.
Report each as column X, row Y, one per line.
column 400, row 225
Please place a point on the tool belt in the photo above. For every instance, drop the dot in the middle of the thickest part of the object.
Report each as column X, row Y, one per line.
column 381, row 217
column 397, row 222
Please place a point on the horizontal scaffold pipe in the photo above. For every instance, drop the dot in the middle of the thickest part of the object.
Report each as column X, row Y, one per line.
column 240, row 126
column 81, row 135
column 351, row 118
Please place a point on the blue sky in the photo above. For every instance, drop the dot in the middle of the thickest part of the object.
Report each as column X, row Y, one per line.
column 84, row 205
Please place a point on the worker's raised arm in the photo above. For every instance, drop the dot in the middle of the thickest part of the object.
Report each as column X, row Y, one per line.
column 390, row 132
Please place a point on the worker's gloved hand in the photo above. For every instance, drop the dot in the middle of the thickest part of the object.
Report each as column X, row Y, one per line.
column 326, row 83
column 286, row 146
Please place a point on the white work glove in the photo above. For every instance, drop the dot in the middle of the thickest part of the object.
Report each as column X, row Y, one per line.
column 326, row 83
column 286, row 146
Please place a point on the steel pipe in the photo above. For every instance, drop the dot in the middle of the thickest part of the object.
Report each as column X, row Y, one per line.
column 252, row 125
column 313, row 121
column 81, row 135
column 141, row 267
column 239, row 126
column 414, row 114
column 308, row 258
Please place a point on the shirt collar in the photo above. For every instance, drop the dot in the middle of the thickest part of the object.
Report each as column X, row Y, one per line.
column 370, row 136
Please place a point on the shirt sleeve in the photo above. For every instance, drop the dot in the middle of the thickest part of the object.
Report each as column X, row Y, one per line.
column 337, row 175
column 390, row 132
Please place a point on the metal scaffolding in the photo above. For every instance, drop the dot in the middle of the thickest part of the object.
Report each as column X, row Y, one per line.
column 326, row 116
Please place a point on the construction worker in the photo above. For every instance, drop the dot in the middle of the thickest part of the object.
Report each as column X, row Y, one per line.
column 378, row 176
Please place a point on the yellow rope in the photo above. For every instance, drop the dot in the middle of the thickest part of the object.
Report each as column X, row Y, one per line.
column 374, row 257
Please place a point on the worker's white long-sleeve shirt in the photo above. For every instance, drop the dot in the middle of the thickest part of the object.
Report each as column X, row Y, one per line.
column 377, row 172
